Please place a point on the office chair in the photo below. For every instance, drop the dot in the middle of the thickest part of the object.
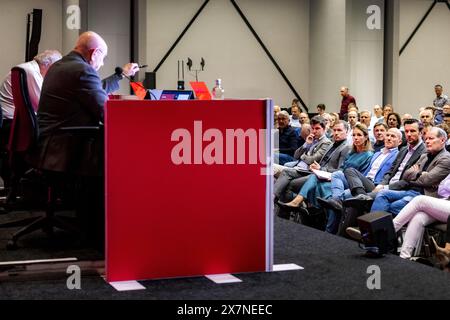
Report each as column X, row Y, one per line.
column 22, row 140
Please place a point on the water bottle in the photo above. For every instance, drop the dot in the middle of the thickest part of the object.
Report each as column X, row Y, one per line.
column 217, row 91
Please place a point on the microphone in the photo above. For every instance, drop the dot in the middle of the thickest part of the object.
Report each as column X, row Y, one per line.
column 118, row 71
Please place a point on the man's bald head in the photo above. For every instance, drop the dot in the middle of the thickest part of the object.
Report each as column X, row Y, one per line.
column 93, row 48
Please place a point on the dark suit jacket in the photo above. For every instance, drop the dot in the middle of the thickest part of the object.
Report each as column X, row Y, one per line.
column 398, row 161
column 288, row 141
column 72, row 95
column 337, row 158
column 314, row 154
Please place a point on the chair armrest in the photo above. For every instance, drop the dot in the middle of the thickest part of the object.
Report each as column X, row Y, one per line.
column 82, row 130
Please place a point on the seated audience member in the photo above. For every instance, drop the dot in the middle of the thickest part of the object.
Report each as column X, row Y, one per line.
column 288, row 141
column 328, row 130
column 424, row 129
column 334, row 119
column 276, row 109
column 275, row 119
column 447, row 118
column 321, row 109
column 379, row 132
column 304, row 118
column 421, row 178
column 332, row 160
column 420, row 212
column 312, row 150
column 439, row 103
column 446, row 128
column 294, row 118
column 394, row 121
column 377, row 116
column 305, row 131
column 349, row 182
column 427, row 117
column 353, row 119
column 387, row 110
column 365, row 117
column 406, row 116
column 358, row 158
column 446, row 109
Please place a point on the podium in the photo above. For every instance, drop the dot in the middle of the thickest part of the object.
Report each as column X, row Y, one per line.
column 184, row 195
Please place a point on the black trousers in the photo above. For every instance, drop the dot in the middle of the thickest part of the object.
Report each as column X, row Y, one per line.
column 358, row 183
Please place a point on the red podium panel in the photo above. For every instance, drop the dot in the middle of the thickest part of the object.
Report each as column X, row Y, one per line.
column 165, row 219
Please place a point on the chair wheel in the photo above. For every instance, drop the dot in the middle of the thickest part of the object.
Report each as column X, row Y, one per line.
column 11, row 245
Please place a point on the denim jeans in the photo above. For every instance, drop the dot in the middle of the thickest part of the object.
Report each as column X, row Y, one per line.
column 339, row 186
column 393, row 201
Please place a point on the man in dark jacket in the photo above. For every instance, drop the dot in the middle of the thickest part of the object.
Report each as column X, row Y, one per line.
column 74, row 96
column 288, row 139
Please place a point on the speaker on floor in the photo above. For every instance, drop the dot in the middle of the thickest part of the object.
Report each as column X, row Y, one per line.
column 377, row 233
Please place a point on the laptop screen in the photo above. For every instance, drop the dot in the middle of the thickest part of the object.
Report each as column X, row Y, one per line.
column 176, row 95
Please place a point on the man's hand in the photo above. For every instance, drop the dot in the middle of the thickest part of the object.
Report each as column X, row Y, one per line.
column 314, row 166
column 130, row 69
column 310, row 139
column 378, row 188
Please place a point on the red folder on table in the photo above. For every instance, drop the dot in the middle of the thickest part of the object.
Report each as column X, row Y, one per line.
column 139, row 89
column 201, row 90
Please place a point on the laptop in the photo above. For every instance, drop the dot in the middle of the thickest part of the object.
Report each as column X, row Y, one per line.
column 176, row 95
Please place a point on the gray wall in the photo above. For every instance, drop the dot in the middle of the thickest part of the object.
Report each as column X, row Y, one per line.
column 328, row 67
column 320, row 44
column 113, row 25
column 69, row 36
column 365, row 53
column 13, row 15
column 425, row 62
column 230, row 50
column 344, row 52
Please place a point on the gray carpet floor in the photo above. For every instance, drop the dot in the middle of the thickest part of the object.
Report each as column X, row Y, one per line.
column 335, row 268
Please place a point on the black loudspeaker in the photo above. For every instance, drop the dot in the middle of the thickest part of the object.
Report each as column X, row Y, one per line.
column 35, row 34
column 377, row 233
column 150, row 80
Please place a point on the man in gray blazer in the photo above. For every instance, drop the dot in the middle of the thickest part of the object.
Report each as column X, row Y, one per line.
column 328, row 160
column 422, row 178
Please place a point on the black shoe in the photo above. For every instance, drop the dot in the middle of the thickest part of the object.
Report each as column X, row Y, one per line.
column 360, row 201
column 330, row 203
